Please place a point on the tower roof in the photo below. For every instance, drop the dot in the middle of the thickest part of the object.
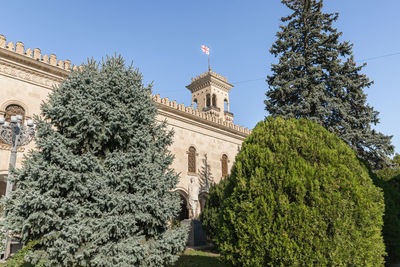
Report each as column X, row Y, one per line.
column 207, row 79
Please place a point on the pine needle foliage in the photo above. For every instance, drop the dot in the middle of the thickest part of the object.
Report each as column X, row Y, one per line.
column 297, row 196
column 97, row 190
column 317, row 78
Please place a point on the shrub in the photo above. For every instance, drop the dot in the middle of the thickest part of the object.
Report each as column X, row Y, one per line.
column 297, row 196
column 18, row 259
column 389, row 180
column 392, row 176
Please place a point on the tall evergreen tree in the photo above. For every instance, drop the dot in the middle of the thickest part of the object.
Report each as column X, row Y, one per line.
column 97, row 190
column 317, row 78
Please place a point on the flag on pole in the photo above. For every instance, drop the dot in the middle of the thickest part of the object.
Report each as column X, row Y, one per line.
column 205, row 49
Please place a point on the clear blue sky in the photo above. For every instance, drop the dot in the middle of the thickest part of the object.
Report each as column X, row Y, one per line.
column 163, row 39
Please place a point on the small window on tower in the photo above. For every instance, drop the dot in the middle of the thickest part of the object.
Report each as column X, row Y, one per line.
column 195, row 103
column 214, row 100
column 208, row 100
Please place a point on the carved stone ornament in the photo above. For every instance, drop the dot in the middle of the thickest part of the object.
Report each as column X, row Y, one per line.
column 29, row 75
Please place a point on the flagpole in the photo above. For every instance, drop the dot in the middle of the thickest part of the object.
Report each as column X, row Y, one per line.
column 206, row 50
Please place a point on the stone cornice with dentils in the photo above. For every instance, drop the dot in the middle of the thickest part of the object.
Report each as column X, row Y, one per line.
column 197, row 115
column 34, row 68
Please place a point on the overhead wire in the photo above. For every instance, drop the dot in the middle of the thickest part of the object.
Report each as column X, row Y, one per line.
column 263, row 78
column 360, row 60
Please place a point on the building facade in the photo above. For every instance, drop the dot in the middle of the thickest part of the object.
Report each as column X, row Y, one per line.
column 206, row 140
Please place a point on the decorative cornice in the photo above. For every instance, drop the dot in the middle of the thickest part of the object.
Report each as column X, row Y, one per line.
column 29, row 74
column 202, row 117
column 202, row 124
column 210, row 73
column 207, row 79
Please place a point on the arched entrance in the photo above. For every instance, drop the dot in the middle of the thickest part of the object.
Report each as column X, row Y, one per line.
column 184, row 213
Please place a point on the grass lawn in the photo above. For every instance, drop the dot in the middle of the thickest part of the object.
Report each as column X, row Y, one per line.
column 190, row 258
column 198, row 258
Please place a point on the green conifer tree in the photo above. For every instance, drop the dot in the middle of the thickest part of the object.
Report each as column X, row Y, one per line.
column 97, row 190
column 317, row 78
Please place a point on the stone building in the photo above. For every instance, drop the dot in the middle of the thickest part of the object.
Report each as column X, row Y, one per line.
column 205, row 142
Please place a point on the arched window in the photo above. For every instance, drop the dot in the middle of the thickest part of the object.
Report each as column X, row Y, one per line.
column 214, row 100
column 224, row 165
column 208, row 100
column 192, row 160
column 195, row 103
column 13, row 110
column 226, row 105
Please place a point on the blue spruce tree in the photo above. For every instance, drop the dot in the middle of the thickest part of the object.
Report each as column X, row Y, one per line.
column 97, row 190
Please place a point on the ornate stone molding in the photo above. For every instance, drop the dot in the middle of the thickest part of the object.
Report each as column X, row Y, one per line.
column 30, row 66
column 29, row 75
column 202, row 123
column 207, row 79
column 210, row 73
column 198, row 116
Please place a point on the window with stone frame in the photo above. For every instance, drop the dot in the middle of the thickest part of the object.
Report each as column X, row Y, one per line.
column 192, row 160
column 224, row 165
column 13, row 110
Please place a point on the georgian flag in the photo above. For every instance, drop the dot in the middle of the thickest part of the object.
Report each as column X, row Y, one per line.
column 205, row 49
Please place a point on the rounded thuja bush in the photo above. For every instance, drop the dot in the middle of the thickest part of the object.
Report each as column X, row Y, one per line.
column 297, row 196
